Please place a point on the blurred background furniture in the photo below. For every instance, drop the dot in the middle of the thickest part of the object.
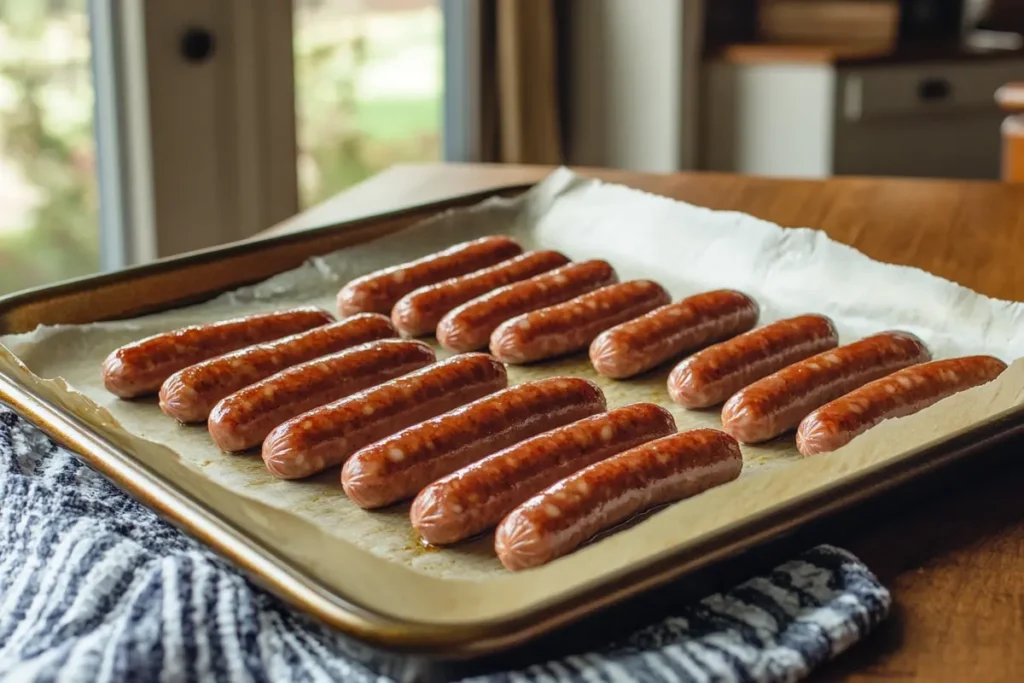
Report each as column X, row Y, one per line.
column 906, row 89
column 1011, row 100
column 816, row 112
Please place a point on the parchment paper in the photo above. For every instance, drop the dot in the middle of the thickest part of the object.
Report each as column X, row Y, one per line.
column 374, row 558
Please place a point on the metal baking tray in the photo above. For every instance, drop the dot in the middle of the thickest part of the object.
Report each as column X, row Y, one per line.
column 195, row 277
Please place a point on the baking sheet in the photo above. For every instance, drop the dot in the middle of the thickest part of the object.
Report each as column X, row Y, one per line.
column 374, row 558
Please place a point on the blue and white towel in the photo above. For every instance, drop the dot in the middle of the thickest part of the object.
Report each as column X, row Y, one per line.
column 94, row 587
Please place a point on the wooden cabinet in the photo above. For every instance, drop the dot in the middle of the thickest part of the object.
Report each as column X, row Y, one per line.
column 826, row 116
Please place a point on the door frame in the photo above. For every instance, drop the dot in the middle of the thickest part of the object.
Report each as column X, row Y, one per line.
column 192, row 153
column 462, row 135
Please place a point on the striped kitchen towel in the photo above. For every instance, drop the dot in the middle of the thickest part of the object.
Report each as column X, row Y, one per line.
column 94, row 587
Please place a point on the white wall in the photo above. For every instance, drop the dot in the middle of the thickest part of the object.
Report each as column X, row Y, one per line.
column 633, row 85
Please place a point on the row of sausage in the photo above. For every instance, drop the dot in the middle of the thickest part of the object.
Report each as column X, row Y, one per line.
column 317, row 393
column 528, row 307
column 544, row 462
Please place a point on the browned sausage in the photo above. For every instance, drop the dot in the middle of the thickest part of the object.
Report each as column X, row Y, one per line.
column 327, row 436
column 469, row 326
column 902, row 393
column 419, row 312
column 402, row 464
column 190, row 394
column 573, row 325
column 141, row 367
column 243, row 419
column 558, row 520
column 711, row 376
column 777, row 403
column 378, row 292
column 479, row 495
column 645, row 342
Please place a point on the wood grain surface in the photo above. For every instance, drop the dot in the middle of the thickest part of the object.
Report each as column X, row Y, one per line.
column 852, row 54
column 953, row 555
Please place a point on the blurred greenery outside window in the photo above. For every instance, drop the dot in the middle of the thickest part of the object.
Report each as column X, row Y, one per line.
column 368, row 82
column 368, row 77
column 49, row 213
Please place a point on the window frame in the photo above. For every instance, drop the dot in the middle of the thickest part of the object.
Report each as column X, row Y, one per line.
column 197, row 155
column 192, row 155
column 461, row 132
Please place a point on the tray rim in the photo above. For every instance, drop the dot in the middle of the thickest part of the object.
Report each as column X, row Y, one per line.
column 450, row 641
column 32, row 295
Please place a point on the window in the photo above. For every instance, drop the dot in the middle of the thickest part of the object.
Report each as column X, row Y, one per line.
column 49, row 209
column 368, row 83
column 121, row 142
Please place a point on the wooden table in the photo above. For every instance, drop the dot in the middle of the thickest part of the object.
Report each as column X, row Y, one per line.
column 955, row 561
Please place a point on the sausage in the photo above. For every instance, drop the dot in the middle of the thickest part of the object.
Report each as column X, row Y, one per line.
column 243, row 419
column 378, row 292
column 572, row 325
column 328, row 435
column 641, row 344
column 902, row 393
column 558, row 520
column 479, row 495
column 190, row 394
column 419, row 312
column 711, row 376
column 469, row 326
column 141, row 367
column 777, row 403
column 399, row 466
